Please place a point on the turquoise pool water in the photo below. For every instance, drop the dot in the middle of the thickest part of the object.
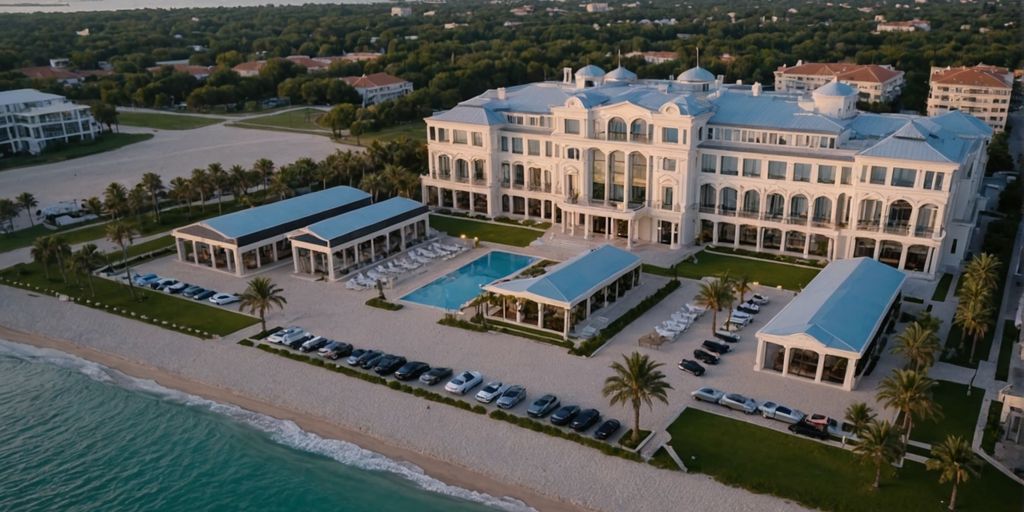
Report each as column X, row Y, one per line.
column 460, row 286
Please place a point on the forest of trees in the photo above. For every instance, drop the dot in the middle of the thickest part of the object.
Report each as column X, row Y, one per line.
column 447, row 66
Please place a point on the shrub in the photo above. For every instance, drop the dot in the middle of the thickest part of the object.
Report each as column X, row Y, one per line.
column 246, row 342
column 377, row 302
column 452, row 321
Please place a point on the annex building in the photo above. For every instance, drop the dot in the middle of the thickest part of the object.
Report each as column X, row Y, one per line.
column 686, row 160
column 30, row 120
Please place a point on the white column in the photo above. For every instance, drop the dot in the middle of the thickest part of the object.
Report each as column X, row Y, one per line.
column 830, row 253
column 759, row 355
column 903, row 256
column 851, row 367
column 928, row 260
column 312, row 262
column 586, row 226
column 565, row 327
column 629, row 233
column 180, row 246
column 540, row 315
column 760, row 238
column 714, row 233
column 330, row 264
column 295, row 259
column 785, row 361
column 820, row 369
column 239, row 268
column 195, row 252
column 274, row 248
column 807, row 245
column 878, row 248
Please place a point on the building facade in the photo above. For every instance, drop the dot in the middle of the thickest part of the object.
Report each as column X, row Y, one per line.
column 874, row 83
column 674, row 162
column 379, row 87
column 914, row 25
column 30, row 120
column 981, row 91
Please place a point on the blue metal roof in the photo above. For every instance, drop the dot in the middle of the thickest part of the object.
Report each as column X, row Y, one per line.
column 277, row 215
column 377, row 216
column 835, row 88
column 570, row 281
column 842, row 305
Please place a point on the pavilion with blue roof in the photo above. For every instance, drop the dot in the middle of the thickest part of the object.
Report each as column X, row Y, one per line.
column 338, row 245
column 248, row 240
column 568, row 292
column 829, row 331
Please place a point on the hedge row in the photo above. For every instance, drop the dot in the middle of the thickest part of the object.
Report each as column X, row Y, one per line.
column 378, row 302
column 246, row 342
column 552, row 430
column 588, row 347
column 451, row 321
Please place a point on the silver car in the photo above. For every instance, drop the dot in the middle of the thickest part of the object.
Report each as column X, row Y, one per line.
column 511, row 397
column 491, row 391
column 711, row 395
column 774, row 411
column 739, row 402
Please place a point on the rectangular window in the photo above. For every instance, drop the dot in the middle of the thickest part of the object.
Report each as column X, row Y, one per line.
column 666, row 198
column 517, row 145
column 802, row 172
column 730, row 165
column 902, row 177
column 504, row 143
column 826, row 174
column 707, row 163
column 776, row 170
column 547, row 148
column 682, row 138
column 670, row 135
column 478, row 170
column 751, row 168
column 668, row 164
column 506, row 174
column 459, row 136
column 478, row 139
column 572, row 126
column 533, row 147
column 878, row 175
column 847, row 176
column 933, row 180
column 442, row 135
column 433, row 133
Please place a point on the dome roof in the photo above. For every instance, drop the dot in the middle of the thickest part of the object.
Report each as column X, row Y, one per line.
column 620, row 74
column 589, row 71
column 835, row 88
column 696, row 74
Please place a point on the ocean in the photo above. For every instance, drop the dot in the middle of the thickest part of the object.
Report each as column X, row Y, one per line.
column 114, row 5
column 77, row 436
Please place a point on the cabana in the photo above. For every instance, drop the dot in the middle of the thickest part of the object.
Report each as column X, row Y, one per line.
column 246, row 241
column 829, row 331
column 568, row 292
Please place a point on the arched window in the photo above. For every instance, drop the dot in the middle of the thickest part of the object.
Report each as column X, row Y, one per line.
column 798, row 207
column 776, row 206
column 617, row 166
column 597, row 170
column 926, row 217
column 638, row 186
column 616, row 129
column 638, row 131
column 751, row 203
column 727, row 205
column 461, row 169
column 708, row 196
column 898, row 218
column 870, row 216
column 444, row 166
column 519, row 177
column 822, row 209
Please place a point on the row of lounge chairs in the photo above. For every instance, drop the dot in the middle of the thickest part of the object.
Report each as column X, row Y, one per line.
column 680, row 321
column 413, row 260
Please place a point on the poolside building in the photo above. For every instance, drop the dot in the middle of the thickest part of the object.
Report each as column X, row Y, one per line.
column 250, row 240
column 829, row 332
column 336, row 246
column 567, row 292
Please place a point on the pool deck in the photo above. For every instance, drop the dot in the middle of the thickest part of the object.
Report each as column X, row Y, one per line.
column 436, row 281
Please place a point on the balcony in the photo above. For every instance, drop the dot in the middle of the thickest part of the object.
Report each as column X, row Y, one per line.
column 462, row 178
column 707, row 209
column 867, row 225
column 897, row 229
column 924, row 232
column 821, row 223
column 799, row 220
column 669, row 207
column 747, row 214
column 726, row 210
column 537, row 187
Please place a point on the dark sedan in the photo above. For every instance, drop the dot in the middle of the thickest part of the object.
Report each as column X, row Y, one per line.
column 368, row 355
column 435, row 375
column 338, row 351
column 705, row 356
column 564, row 415
column 727, row 336
column 690, row 366
column 715, row 347
column 411, row 370
column 205, row 295
column 808, row 429
column 585, row 420
column 543, row 406
column 370, row 363
column 607, row 429
column 299, row 342
column 389, row 364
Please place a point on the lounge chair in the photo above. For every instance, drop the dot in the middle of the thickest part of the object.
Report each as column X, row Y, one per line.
column 353, row 284
column 671, row 335
column 426, row 253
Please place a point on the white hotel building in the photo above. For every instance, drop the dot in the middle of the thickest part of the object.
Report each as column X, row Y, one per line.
column 674, row 162
column 29, row 120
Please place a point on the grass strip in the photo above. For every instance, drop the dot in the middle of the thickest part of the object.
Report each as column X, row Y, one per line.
column 165, row 121
column 485, row 231
column 942, row 289
column 64, row 152
column 380, row 303
column 767, row 273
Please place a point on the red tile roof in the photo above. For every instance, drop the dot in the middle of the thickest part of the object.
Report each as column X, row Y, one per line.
column 185, row 68
column 374, row 80
column 253, row 65
column 851, row 72
column 981, row 75
column 48, row 73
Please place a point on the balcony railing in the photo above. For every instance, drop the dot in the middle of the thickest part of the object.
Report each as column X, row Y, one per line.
column 867, row 225
column 924, row 231
column 669, row 207
column 797, row 219
column 707, row 209
column 749, row 214
column 821, row 223
column 462, row 178
column 897, row 229
column 726, row 210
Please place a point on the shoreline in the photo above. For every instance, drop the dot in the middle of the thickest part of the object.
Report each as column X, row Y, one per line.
column 444, row 471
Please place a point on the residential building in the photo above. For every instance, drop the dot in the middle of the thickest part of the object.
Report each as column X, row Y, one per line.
column 379, row 87
column 914, row 25
column 31, row 120
column 62, row 75
column 401, row 11
column 874, row 83
column 982, row 91
column 597, row 7
column 1011, row 419
column 690, row 160
column 198, row 72
column 828, row 333
column 312, row 64
column 655, row 57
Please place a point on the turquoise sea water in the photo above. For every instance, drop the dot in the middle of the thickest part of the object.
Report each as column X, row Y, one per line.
column 453, row 290
column 76, row 436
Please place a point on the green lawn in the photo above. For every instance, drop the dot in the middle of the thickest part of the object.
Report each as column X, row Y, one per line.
column 959, row 414
column 958, row 350
column 155, row 244
column 767, row 273
column 1006, row 350
column 165, row 121
column 486, row 231
column 25, row 237
column 155, row 305
column 819, row 476
column 302, row 119
column 412, row 131
column 942, row 289
column 106, row 142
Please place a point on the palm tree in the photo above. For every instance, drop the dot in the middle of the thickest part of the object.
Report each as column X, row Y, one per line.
column 42, row 253
column 919, row 345
column 8, row 211
column 955, row 462
column 153, row 184
column 181, row 189
column 201, row 184
column 929, row 321
column 219, row 180
column 305, row 170
column 94, row 206
column 83, row 261
column 325, row 172
column 879, row 444
column 264, row 167
column 973, row 312
column 393, row 176
column 742, row 286
column 983, row 269
column 115, row 199
column 279, row 187
column 714, row 295
column 373, row 183
column 239, row 180
column 121, row 232
column 638, row 382
column 61, row 250
column 261, row 296
column 26, row 201
column 859, row 415
column 138, row 198
column 910, row 393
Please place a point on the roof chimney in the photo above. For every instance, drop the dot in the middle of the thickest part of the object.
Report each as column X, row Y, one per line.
column 567, row 75
column 501, row 94
column 800, row 62
column 755, row 89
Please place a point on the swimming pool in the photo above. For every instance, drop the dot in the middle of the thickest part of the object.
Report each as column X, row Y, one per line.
column 456, row 288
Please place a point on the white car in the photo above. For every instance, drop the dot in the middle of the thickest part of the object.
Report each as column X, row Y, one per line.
column 146, row 280
column 759, row 299
column 176, row 287
column 711, row 395
column 491, row 391
column 772, row 410
column 464, row 382
column 287, row 335
column 739, row 402
column 222, row 299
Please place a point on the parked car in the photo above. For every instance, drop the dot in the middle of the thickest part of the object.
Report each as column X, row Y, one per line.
column 411, row 370
column 146, row 280
column 585, row 419
column 314, row 344
column 491, row 391
column 727, row 337
column 705, row 356
column 832, row 426
column 176, row 288
column 715, row 347
column 366, row 356
column 337, row 350
column 372, row 361
column 737, row 322
column 353, row 358
column 774, row 411
column 749, row 308
column 296, row 344
column 286, row 335
column 711, row 395
column 205, row 295
column 759, row 299
column 543, row 406
column 191, row 291
column 806, row 428
column 739, row 402
column 690, row 366
column 607, row 429
column 464, row 382
column 223, row 299
column 161, row 282
column 389, row 364
column 564, row 414
column 435, row 375
column 511, row 397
